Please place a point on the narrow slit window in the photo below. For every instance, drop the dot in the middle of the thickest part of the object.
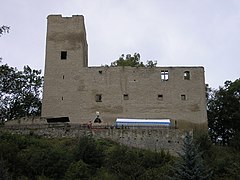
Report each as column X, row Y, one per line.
column 183, row 97
column 164, row 75
column 98, row 98
column 186, row 75
column 63, row 55
column 125, row 97
column 63, row 76
column 160, row 97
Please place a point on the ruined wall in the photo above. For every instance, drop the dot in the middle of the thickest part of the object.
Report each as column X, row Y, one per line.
column 74, row 90
column 152, row 139
column 143, row 87
column 66, row 36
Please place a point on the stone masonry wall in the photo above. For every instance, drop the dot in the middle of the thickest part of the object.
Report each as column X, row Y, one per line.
column 74, row 90
column 152, row 139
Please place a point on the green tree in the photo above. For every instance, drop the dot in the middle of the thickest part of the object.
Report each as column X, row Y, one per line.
column 235, row 141
column 224, row 112
column 20, row 92
column 4, row 29
column 133, row 61
column 125, row 163
column 90, row 152
column 191, row 165
column 4, row 174
column 78, row 170
column 151, row 64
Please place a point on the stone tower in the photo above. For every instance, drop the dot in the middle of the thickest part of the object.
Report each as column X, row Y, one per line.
column 66, row 54
column 74, row 90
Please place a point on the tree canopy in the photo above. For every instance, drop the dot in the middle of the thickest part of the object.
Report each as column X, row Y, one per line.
column 224, row 112
column 190, row 165
column 33, row 157
column 4, row 29
column 133, row 61
column 20, row 92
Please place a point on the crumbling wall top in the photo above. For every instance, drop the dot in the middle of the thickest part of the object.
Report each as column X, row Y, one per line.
column 62, row 17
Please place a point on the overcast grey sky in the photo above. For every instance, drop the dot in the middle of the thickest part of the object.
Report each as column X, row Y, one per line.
column 173, row 32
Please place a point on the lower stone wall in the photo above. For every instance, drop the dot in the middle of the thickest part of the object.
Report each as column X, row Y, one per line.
column 152, row 139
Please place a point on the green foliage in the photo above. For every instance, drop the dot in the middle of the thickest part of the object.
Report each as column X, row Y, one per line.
column 33, row 157
column 137, row 164
column 235, row 141
column 78, row 170
column 151, row 64
column 191, row 165
column 4, row 174
column 104, row 174
column 20, row 92
column 225, row 162
column 90, row 152
column 133, row 61
column 224, row 112
column 4, row 29
column 30, row 156
column 124, row 163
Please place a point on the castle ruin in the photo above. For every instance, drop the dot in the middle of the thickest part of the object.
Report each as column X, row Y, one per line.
column 76, row 91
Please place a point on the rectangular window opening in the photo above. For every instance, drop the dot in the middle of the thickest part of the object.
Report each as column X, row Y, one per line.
column 160, row 97
column 63, row 55
column 98, row 98
column 183, row 97
column 186, row 75
column 164, row 75
column 125, row 97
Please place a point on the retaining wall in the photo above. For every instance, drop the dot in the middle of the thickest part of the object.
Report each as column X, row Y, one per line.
column 152, row 139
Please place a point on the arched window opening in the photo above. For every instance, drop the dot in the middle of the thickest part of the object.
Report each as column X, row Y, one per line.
column 186, row 75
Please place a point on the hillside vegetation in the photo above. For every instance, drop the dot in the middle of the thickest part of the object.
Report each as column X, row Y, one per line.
column 33, row 157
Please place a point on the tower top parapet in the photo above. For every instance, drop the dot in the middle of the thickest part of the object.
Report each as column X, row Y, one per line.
column 67, row 17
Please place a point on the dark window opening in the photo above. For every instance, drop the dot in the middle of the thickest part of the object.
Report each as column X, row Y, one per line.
column 125, row 97
column 97, row 120
column 186, row 75
column 100, row 72
column 63, row 54
column 160, row 97
column 63, row 77
column 183, row 97
column 58, row 119
column 62, row 98
column 98, row 98
column 164, row 75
